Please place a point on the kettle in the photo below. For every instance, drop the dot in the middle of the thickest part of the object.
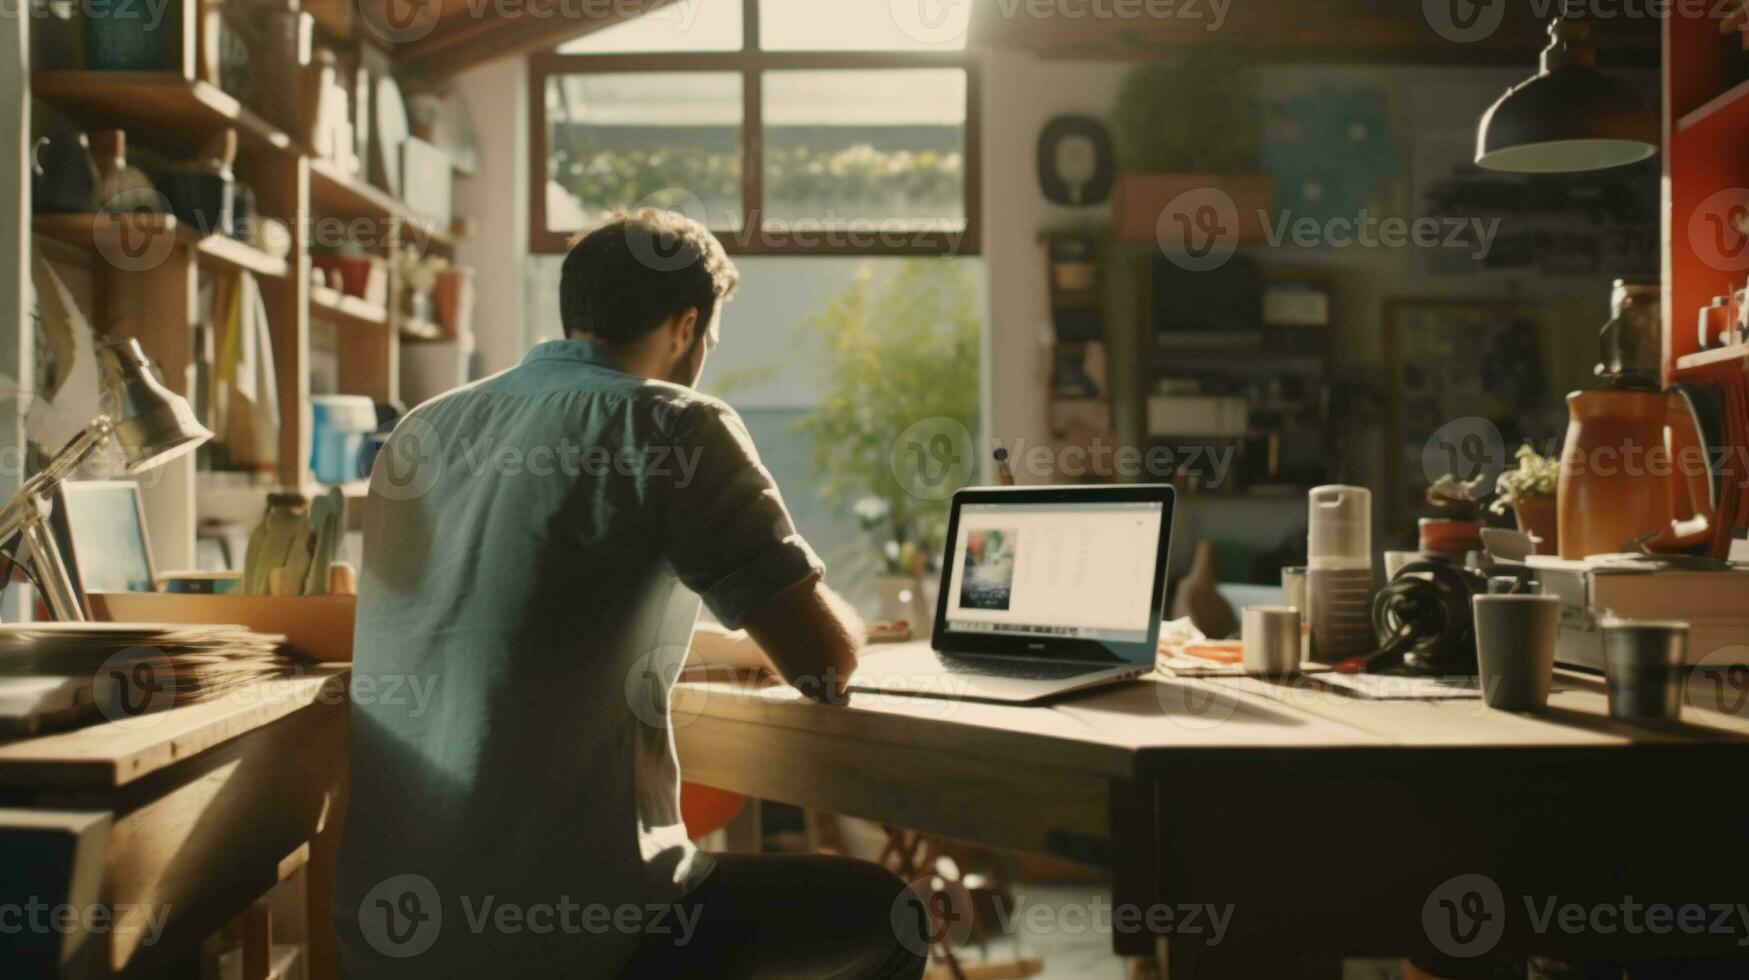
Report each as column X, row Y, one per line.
column 1632, row 340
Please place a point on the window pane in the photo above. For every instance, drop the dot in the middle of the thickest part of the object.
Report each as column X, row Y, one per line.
column 664, row 139
column 863, row 25
column 683, row 25
column 846, row 148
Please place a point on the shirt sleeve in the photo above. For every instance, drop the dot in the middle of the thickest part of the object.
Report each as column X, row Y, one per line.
column 730, row 537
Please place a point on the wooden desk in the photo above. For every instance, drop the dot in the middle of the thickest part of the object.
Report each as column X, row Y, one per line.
column 1328, row 825
column 198, row 811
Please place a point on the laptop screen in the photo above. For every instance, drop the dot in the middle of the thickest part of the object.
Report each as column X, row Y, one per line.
column 1074, row 571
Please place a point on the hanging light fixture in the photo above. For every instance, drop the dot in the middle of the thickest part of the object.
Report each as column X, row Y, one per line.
column 1568, row 117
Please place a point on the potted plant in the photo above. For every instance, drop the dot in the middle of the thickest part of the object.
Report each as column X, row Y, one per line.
column 1529, row 490
column 1182, row 126
column 1458, row 526
column 903, row 347
column 902, row 562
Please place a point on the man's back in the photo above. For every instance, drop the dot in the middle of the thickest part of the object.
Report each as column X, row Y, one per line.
column 521, row 616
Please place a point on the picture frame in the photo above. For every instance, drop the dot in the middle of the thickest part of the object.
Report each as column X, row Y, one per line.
column 100, row 529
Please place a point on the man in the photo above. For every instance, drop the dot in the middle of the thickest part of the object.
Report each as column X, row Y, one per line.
column 536, row 546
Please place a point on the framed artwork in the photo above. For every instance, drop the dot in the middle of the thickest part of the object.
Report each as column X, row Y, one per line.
column 1075, row 162
column 100, row 528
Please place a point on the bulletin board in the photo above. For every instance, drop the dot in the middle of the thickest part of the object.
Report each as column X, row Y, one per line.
column 1455, row 368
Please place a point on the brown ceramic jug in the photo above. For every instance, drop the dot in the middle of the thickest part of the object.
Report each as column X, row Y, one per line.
column 1633, row 470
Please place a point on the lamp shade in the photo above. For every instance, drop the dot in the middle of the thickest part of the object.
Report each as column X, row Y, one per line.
column 1568, row 117
column 153, row 425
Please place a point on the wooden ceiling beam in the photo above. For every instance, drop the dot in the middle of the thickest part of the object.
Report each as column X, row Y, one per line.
column 1375, row 31
column 471, row 32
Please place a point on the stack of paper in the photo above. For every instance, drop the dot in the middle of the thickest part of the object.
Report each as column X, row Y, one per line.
column 163, row 664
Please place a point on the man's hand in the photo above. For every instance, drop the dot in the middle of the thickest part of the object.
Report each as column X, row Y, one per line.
column 812, row 637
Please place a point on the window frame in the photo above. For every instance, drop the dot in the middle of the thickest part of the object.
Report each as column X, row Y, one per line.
column 751, row 63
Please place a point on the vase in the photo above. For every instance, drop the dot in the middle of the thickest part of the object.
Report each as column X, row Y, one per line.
column 1199, row 599
column 1536, row 517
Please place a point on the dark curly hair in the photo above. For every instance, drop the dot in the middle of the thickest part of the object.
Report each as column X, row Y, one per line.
column 627, row 275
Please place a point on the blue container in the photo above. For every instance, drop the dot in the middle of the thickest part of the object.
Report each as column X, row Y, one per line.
column 129, row 35
column 339, row 424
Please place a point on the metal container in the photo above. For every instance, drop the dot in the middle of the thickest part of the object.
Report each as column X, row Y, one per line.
column 1339, row 581
column 1270, row 639
column 1645, row 663
column 1632, row 340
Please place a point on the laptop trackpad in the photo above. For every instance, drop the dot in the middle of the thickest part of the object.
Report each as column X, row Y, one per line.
column 916, row 670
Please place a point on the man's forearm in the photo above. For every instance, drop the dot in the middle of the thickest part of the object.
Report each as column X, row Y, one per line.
column 812, row 636
column 715, row 646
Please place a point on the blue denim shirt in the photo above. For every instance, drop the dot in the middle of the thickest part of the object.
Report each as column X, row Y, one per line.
column 535, row 548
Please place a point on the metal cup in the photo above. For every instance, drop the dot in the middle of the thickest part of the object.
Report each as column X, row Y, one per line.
column 1293, row 585
column 1646, row 665
column 1271, row 640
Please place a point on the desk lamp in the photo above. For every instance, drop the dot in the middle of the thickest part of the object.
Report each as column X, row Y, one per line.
column 150, row 424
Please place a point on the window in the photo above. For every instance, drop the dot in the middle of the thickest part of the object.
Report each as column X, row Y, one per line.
column 786, row 126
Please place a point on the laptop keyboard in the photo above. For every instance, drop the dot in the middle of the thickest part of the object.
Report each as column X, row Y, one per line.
column 1026, row 670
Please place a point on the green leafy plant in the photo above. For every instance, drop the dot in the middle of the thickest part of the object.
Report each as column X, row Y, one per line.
column 902, row 345
column 1535, row 476
column 801, row 178
column 1195, row 114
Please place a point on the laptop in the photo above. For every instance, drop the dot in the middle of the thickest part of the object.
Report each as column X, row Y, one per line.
column 1044, row 591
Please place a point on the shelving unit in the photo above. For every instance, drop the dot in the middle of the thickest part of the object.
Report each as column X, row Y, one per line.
column 1270, row 459
column 174, row 112
column 1083, row 418
column 1706, row 251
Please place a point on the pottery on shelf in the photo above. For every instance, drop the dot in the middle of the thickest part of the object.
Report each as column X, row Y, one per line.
column 121, row 189
column 63, row 174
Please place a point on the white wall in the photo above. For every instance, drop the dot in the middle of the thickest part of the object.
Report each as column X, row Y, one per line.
column 1019, row 94
column 496, row 197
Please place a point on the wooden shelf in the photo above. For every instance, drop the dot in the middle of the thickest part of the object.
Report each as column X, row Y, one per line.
column 162, row 101
column 96, row 231
column 332, row 189
column 330, row 304
column 1731, row 99
column 420, row 330
column 237, row 497
column 236, row 255
column 1718, row 355
column 337, row 192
